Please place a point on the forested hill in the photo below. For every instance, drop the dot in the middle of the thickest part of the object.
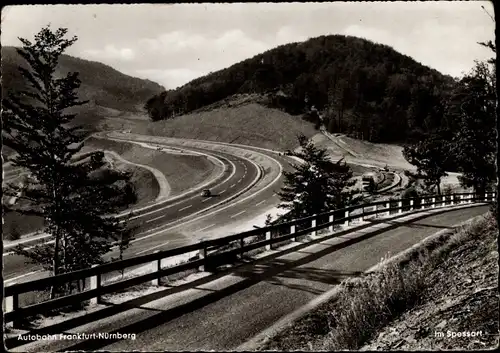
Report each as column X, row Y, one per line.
column 367, row 90
column 102, row 85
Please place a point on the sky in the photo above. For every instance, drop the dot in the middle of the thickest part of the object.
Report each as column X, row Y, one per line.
column 172, row 44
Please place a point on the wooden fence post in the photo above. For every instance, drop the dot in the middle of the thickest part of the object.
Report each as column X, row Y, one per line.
column 155, row 267
column 242, row 247
column 202, row 254
column 292, row 231
column 12, row 304
column 411, row 205
column 400, row 206
column 346, row 223
column 388, row 206
column 433, row 202
column 330, row 227
column 313, row 224
column 268, row 237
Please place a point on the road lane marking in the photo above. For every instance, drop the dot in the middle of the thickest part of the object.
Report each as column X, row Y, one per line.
column 154, row 247
column 231, row 186
column 260, row 202
column 185, row 208
column 222, row 191
column 234, row 215
column 199, row 230
column 154, row 219
column 209, row 198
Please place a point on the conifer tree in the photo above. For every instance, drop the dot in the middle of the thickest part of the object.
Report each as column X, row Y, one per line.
column 68, row 195
column 317, row 185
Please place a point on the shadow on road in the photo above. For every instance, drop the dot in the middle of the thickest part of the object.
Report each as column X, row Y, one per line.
column 264, row 269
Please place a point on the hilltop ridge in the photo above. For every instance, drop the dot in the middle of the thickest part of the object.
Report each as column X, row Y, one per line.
column 110, row 93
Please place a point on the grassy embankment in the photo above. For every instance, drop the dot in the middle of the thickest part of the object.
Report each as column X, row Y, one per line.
column 182, row 171
column 248, row 124
column 450, row 283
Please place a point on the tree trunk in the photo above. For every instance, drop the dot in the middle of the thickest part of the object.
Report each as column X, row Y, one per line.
column 55, row 259
column 55, row 263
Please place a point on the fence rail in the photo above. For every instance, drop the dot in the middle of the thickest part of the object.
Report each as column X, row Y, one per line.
column 212, row 253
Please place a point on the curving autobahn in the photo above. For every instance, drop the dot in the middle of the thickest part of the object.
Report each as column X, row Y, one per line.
column 157, row 226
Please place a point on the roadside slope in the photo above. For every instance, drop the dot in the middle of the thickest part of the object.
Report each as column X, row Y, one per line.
column 447, row 283
column 248, row 124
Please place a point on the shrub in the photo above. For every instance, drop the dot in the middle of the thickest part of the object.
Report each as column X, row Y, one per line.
column 15, row 232
column 409, row 193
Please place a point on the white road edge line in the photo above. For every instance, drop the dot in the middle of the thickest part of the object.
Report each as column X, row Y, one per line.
column 260, row 203
column 185, row 208
column 235, row 215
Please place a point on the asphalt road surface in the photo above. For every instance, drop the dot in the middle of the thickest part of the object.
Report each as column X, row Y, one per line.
column 225, row 313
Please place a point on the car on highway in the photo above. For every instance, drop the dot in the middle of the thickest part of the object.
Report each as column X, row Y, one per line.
column 206, row 193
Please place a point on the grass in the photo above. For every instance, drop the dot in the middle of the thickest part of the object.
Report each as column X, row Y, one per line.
column 145, row 183
column 365, row 305
column 249, row 124
column 182, row 171
column 388, row 180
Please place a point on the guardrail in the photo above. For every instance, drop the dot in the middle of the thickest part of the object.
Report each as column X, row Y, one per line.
column 212, row 253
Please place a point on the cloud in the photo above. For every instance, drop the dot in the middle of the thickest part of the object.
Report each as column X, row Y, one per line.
column 169, row 78
column 110, row 52
column 445, row 47
column 186, row 53
column 287, row 34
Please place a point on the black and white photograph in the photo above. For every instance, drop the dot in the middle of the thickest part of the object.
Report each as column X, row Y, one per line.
column 261, row 176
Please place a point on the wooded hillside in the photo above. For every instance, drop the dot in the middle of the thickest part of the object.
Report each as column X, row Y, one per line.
column 364, row 89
